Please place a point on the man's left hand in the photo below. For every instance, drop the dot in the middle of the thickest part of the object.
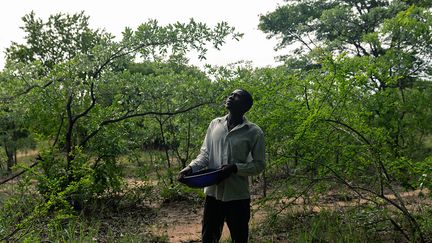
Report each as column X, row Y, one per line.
column 226, row 172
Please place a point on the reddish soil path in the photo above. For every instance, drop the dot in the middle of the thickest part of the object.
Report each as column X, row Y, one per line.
column 181, row 222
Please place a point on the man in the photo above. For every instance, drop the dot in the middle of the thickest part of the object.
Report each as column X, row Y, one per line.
column 237, row 146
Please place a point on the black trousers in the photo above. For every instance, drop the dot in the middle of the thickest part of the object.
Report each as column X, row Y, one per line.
column 235, row 213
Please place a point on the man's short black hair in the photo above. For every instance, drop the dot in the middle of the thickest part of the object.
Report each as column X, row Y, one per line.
column 248, row 98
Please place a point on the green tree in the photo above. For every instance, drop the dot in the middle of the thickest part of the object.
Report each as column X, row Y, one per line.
column 365, row 72
column 174, row 84
column 75, row 90
column 74, row 84
column 14, row 133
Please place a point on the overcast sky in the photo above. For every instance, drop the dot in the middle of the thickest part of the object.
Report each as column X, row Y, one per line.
column 114, row 16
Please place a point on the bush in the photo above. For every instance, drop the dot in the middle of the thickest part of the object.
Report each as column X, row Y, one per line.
column 179, row 192
column 356, row 224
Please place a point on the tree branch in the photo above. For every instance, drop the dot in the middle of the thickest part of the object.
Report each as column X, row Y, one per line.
column 374, row 153
column 128, row 116
column 93, row 103
column 306, row 98
column 119, row 53
column 59, row 130
column 20, row 173
column 25, row 91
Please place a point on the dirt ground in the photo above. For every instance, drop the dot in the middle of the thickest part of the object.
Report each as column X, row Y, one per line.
column 181, row 222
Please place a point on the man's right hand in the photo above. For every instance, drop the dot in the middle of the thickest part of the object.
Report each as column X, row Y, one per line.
column 185, row 172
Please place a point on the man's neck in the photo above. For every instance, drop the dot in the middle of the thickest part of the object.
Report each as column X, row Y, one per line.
column 233, row 120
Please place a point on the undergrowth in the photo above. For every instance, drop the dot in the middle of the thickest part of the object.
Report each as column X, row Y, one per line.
column 125, row 216
column 352, row 224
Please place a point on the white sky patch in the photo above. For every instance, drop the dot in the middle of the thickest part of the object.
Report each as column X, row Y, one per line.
column 114, row 16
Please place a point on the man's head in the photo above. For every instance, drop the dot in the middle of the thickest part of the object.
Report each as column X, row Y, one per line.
column 239, row 101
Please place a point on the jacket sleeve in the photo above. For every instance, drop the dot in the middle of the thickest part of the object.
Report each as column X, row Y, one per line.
column 257, row 164
column 202, row 160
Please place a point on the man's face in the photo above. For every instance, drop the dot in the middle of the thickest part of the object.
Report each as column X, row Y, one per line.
column 236, row 101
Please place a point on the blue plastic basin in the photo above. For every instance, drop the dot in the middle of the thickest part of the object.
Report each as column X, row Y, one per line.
column 202, row 178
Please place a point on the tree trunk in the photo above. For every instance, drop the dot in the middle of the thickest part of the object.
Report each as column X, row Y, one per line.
column 165, row 146
column 9, row 154
column 68, row 138
column 10, row 158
